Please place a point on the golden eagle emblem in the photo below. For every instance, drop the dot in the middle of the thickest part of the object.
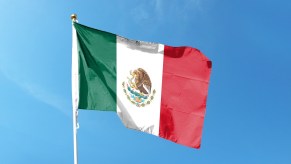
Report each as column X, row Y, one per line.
column 138, row 88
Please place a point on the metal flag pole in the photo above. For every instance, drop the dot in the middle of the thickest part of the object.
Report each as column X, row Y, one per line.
column 75, row 87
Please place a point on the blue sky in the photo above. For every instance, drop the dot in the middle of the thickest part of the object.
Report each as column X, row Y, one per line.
column 249, row 101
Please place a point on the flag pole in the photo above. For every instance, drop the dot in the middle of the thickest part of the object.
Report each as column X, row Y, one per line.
column 75, row 87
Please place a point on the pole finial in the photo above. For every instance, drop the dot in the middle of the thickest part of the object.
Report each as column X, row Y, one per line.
column 74, row 17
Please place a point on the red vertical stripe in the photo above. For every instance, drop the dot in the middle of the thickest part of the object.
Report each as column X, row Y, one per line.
column 186, row 74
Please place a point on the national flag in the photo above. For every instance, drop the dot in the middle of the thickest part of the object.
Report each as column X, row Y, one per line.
column 154, row 88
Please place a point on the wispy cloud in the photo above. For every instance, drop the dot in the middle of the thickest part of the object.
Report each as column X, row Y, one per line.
column 162, row 10
column 140, row 14
column 37, row 91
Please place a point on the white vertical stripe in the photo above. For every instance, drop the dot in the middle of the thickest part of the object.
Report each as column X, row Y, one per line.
column 132, row 55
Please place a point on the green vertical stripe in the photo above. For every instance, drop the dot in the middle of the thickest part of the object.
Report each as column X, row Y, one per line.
column 97, row 69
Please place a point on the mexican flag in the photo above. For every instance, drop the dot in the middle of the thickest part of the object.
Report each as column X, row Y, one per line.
column 153, row 88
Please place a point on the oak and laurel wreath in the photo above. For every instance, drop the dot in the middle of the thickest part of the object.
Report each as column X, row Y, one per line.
column 135, row 103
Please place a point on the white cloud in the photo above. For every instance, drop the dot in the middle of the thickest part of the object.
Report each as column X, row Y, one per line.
column 140, row 14
column 37, row 91
column 157, row 10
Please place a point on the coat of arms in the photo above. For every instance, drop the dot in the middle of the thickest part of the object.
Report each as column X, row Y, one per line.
column 138, row 88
